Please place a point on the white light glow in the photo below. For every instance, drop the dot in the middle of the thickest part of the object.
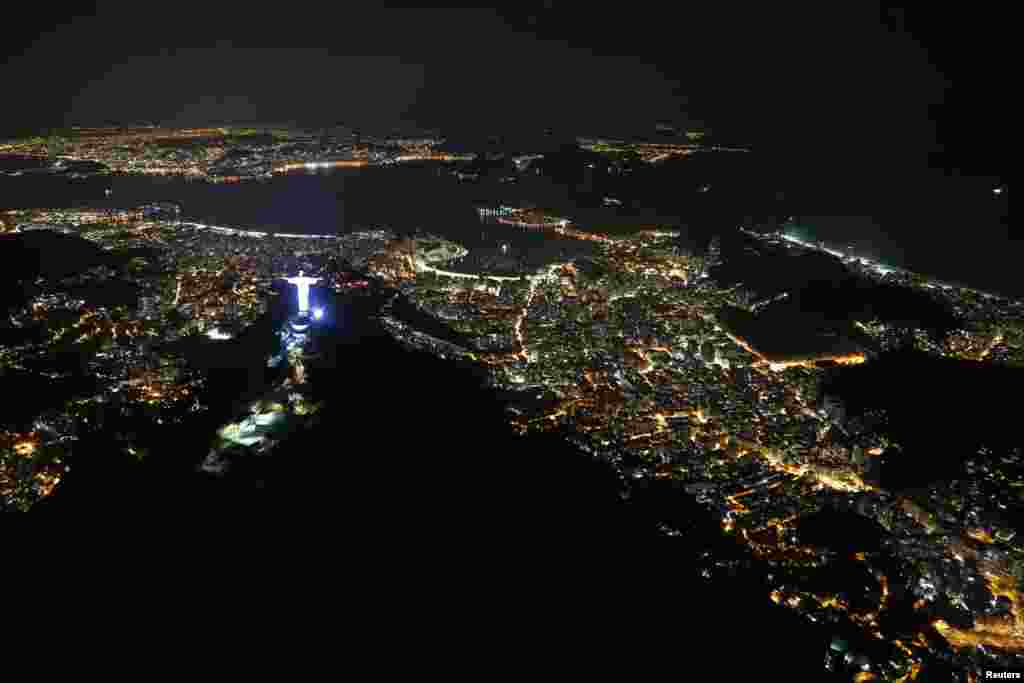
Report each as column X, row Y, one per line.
column 318, row 313
column 302, row 283
column 217, row 334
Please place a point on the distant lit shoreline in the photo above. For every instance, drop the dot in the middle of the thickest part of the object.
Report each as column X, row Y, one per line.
column 877, row 266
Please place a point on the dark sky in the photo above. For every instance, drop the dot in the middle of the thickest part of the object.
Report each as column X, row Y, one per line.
column 832, row 77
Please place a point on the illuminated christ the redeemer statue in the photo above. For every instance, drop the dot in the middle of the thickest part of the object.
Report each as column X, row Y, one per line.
column 303, row 284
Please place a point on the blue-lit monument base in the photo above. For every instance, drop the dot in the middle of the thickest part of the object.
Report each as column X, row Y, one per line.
column 284, row 408
column 300, row 323
column 295, row 333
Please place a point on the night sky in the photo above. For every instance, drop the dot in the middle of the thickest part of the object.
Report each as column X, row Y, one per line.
column 806, row 79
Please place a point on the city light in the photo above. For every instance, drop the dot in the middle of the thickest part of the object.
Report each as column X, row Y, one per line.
column 24, row 448
column 608, row 346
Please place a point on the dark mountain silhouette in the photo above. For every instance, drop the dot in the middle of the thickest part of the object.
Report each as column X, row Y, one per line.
column 25, row 257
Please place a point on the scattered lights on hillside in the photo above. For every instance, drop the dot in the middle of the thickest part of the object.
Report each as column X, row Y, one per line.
column 24, row 448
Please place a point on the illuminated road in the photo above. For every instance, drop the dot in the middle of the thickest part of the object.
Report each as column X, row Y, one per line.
column 254, row 233
column 310, row 165
column 420, row 265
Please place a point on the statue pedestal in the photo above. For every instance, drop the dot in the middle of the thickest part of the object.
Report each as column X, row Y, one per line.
column 299, row 323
